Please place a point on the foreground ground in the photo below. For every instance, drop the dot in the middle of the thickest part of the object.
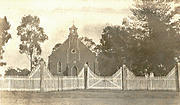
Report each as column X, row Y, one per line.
column 91, row 97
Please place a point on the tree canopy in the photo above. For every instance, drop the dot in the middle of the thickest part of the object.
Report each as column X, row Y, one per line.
column 160, row 38
column 17, row 72
column 4, row 36
column 146, row 42
column 31, row 35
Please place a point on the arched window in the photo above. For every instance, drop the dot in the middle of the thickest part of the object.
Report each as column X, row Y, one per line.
column 59, row 67
column 74, row 71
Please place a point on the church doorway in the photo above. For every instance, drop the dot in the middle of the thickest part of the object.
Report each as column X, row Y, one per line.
column 74, row 71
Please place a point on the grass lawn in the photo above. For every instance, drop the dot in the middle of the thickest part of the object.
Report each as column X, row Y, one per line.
column 91, row 97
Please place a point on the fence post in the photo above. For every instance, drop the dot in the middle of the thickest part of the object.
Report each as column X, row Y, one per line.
column 62, row 83
column 177, row 76
column 86, row 69
column 58, row 82
column 42, row 66
column 124, row 75
column 151, row 80
column 146, row 81
column 9, row 84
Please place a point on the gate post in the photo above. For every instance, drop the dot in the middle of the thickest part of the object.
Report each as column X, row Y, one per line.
column 42, row 67
column 85, row 75
column 177, row 76
column 124, row 76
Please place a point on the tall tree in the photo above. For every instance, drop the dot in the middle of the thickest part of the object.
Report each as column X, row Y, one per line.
column 147, row 43
column 31, row 35
column 113, row 48
column 4, row 36
column 158, row 38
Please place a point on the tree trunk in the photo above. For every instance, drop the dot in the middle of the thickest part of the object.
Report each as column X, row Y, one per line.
column 31, row 62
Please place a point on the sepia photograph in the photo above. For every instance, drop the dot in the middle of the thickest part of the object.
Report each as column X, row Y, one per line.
column 89, row 52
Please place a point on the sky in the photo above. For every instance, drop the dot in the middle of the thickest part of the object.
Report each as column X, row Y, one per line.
column 56, row 16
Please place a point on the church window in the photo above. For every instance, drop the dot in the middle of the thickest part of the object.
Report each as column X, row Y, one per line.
column 59, row 67
column 73, row 51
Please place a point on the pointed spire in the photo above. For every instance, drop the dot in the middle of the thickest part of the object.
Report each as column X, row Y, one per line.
column 73, row 21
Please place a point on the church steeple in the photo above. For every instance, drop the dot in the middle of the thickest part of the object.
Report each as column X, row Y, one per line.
column 73, row 52
column 73, row 31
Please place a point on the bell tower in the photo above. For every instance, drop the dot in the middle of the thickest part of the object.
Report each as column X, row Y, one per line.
column 73, row 31
column 73, row 53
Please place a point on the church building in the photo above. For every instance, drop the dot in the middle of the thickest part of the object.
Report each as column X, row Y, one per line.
column 71, row 56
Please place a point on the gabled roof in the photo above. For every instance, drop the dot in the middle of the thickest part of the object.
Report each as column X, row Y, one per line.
column 66, row 41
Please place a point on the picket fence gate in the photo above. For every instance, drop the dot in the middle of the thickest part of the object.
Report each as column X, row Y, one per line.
column 100, row 82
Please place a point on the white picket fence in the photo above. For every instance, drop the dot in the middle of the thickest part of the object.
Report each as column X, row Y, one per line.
column 41, row 80
column 49, row 82
column 19, row 84
column 151, row 83
column 64, row 82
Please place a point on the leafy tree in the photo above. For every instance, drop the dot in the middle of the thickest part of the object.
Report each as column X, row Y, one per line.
column 107, row 65
column 4, row 36
column 113, row 48
column 17, row 72
column 36, row 61
column 147, row 43
column 11, row 72
column 158, row 38
column 31, row 35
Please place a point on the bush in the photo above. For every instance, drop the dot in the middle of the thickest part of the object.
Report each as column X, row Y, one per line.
column 17, row 72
